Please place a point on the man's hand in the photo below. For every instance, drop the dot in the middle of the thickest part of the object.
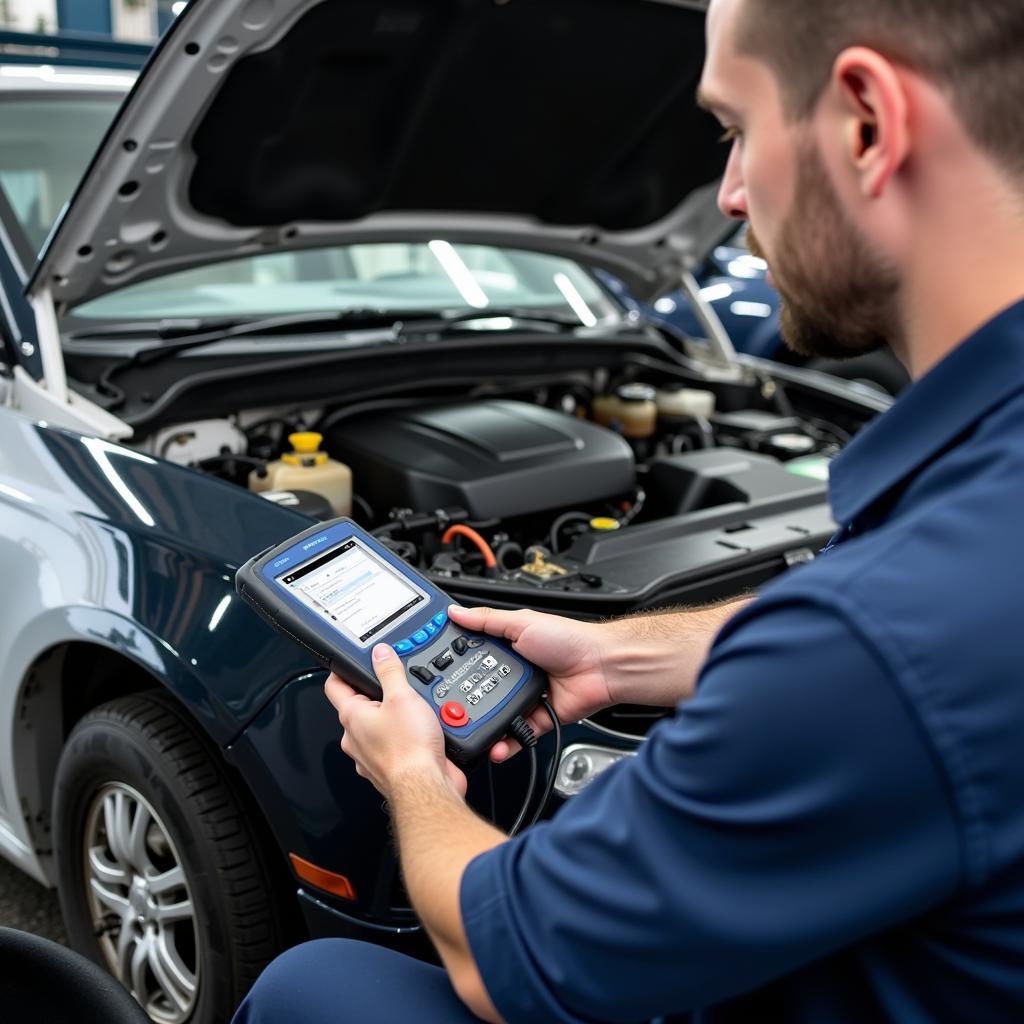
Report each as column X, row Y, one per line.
column 571, row 652
column 395, row 736
column 645, row 659
column 398, row 745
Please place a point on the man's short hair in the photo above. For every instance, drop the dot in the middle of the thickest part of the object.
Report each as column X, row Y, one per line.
column 973, row 49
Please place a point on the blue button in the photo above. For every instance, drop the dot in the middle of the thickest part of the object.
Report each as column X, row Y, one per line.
column 431, row 629
column 440, row 618
column 404, row 646
column 420, row 637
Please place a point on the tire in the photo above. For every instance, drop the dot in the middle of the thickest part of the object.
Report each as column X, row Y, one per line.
column 161, row 878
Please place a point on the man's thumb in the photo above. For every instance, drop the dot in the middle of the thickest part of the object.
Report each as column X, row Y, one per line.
column 471, row 618
column 388, row 667
column 496, row 622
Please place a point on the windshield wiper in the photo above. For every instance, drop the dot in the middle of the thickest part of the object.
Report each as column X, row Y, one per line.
column 185, row 335
column 196, row 329
column 189, row 330
column 210, row 333
column 513, row 317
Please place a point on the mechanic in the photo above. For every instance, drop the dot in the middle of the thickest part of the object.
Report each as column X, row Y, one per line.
column 831, row 826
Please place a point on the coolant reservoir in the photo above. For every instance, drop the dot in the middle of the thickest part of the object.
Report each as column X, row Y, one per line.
column 306, row 468
column 631, row 411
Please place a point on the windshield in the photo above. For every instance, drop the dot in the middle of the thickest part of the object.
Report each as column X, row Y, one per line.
column 388, row 276
column 49, row 136
column 48, row 140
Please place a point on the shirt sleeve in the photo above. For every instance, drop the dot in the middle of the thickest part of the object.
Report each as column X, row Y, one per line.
column 791, row 808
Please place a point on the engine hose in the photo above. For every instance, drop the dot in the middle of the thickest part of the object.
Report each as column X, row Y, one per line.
column 564, row 520
column 509, row 548
column 458, row 530
column 639, row 499
column 365, row 509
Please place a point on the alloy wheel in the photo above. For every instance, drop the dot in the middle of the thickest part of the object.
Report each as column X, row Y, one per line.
column 141, row 907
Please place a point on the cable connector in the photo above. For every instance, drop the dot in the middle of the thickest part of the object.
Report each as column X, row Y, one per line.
column 521, row 732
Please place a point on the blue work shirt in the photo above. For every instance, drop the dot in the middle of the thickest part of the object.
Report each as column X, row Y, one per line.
column 832, row 829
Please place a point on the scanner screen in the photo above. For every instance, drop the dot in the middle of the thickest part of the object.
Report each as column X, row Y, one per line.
column 355, row 591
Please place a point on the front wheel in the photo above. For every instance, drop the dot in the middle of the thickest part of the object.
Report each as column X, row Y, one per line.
column 161, row 877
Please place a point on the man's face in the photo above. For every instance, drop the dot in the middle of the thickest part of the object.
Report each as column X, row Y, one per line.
column 840, row 298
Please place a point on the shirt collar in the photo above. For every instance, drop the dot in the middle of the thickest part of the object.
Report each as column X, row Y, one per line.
column 978, row 375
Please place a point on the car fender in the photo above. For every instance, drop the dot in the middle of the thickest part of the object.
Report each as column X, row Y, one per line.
column 104, row 546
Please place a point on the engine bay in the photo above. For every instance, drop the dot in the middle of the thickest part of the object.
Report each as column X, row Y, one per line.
column 594, row 494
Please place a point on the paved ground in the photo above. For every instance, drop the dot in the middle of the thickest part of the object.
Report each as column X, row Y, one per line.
column 25, row 904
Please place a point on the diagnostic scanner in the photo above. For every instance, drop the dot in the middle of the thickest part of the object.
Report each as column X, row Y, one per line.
column 337, row 591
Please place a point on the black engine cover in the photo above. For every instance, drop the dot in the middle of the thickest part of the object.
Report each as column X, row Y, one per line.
column 496, row 459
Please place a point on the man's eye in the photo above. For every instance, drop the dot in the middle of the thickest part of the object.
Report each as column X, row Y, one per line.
column 730, row 135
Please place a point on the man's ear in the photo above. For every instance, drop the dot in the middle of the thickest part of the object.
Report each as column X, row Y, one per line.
column 873, row 105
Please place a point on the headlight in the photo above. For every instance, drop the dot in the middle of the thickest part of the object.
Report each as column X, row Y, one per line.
column 582, row 763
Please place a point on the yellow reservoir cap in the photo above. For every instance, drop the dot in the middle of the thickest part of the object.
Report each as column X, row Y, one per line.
column 306, row 442
column 604, row 523
column 307, row 449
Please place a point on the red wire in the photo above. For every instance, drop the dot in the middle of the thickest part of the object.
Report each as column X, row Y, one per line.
column 458, row 530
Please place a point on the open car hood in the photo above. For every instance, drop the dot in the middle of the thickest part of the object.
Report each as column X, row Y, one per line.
column 561, row 126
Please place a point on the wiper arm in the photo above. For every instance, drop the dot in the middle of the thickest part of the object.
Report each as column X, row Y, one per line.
column 196, row 329
column 212, row 333
column 442, row 324
column 168, row 328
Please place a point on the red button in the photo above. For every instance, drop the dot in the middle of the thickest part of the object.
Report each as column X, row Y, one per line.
column 453, row 713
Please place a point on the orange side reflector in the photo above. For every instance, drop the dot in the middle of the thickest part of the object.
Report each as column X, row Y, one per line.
column 337, row 885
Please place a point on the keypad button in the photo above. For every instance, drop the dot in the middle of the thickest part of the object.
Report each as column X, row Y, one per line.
column 477, row 641
column 442, row 661
column 466, row 686
column 424, row 675
column 453, row 713
column 489, row 662
column 404, row 646
column 420, row 637
column 505, row 670
column 431, row 629
column 460, row 645
column 440, row 619
column 442, row 691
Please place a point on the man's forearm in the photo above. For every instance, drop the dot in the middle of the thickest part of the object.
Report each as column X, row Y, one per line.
column 438, row 835
column 655, row 657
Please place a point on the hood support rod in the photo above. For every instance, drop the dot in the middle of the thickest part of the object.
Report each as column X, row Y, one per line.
column 51, row 399
column 48, row 336
column 720, row 348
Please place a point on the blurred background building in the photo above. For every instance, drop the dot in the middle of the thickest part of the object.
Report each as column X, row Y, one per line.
column 130, row 20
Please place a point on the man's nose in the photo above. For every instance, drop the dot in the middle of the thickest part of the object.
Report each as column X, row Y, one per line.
column 732, row 194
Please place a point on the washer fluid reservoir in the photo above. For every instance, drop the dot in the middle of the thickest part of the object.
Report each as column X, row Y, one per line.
column 306, row 468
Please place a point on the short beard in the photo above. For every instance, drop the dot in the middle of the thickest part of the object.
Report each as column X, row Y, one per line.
column 839, row 299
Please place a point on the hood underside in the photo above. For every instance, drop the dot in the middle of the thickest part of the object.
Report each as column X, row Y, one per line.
column 565, row 126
